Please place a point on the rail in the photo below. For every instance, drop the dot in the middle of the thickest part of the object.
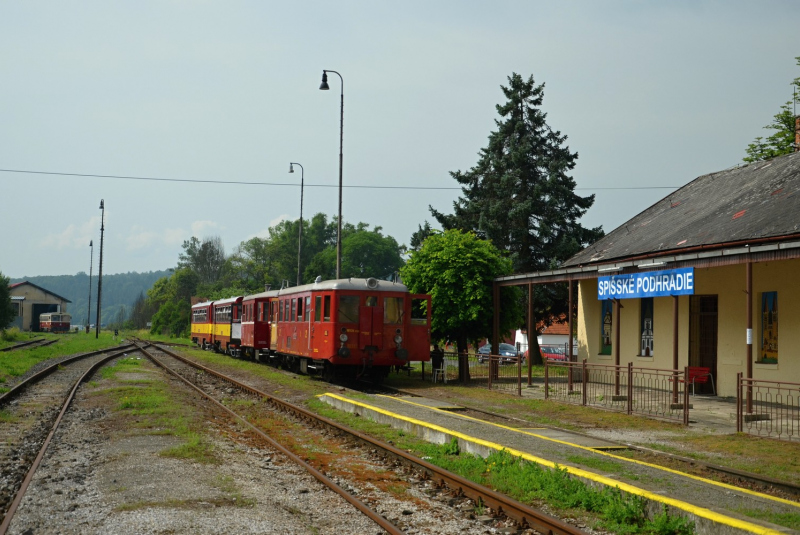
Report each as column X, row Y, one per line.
column 768, row 408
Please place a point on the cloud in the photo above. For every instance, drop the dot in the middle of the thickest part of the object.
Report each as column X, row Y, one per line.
column 140, row 238
column 73, row 236
column 201, row 227
column 264, row 233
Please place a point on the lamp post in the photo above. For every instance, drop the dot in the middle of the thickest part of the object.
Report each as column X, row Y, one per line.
column 300, row 237
column 324, row 87
column 89, row 309
column 100, row 270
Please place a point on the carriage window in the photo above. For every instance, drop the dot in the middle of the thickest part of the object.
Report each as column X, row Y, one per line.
column 281, row 306
column 299, row 316
column 392, row 310
column 348, row 309
column 308, row 308
column 326, row 316
column 317, row 307
column 419, row 311
column 275, row 311
column 293, row 315
column 372, row 301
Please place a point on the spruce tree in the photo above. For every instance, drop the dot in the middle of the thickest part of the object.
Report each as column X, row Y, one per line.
column 520, row 194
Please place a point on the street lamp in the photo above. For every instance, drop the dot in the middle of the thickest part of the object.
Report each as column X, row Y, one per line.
column 100, row 270
column 89, row 309
column 324, row 87
column 300, row 237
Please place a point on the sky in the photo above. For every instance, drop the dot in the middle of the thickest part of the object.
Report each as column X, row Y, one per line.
column 651, row 94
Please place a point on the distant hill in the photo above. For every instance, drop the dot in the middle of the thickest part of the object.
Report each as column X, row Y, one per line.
column 120, row 290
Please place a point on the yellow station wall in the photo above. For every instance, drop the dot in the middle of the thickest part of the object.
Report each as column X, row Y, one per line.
column 728, row 283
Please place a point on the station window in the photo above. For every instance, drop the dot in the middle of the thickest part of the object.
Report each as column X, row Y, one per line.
column 348, row 309
column 393, row 310
column 646, row 327
column 317, row 308
column 606, row 325
column 768, row 352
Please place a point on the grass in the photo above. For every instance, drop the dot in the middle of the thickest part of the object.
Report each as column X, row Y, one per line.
column 789, row 520
column 16, row 363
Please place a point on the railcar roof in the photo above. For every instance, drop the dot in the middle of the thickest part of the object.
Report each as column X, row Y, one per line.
column 228, row 301
column 203, row 304
column 337, row 284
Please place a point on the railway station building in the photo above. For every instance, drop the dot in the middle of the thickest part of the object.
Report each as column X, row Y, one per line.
column 707, row 277
column 30, row 301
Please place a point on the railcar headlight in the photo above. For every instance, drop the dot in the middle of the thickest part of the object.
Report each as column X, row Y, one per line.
column 398, row 339
column 343, row 337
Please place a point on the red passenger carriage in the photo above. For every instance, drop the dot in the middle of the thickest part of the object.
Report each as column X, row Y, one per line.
column 348, row 327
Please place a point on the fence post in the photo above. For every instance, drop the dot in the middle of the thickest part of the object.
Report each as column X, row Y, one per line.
column 585, row 381
column 519, row 373
column 739, row 425
column 490, row 371
column 546, row 380
column 569, row 366
column 686, row 395
column 630, row 388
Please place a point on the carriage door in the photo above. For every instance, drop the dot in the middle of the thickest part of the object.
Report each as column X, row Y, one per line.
column 370, row 324
column 418, row 339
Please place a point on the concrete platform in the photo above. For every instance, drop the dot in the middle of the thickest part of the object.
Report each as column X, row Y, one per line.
column 712, row 505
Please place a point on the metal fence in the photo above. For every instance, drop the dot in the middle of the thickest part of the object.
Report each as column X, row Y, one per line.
column 768, row 408
column 506, row 373
column 652, row 392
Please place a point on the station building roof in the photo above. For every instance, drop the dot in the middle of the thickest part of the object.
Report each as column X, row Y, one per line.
column 722, row 217
column 751, row 204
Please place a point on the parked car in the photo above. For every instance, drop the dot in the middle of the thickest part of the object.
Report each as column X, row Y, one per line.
column 553, row 352
column 508, row 353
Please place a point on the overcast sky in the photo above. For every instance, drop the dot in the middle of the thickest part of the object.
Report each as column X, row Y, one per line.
column 648, row 93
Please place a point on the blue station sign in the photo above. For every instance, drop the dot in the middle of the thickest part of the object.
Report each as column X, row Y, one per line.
column 649, row 284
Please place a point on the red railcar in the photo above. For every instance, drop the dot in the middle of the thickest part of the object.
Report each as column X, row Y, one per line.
column 346, row 327
column 55, row 322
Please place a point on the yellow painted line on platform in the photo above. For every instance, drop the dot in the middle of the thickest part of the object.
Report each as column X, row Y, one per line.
column 618, row 457
column 693, row 509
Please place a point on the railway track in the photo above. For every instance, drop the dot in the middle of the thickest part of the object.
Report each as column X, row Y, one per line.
column 39, row 342
column 32, row 410
column 521, row 514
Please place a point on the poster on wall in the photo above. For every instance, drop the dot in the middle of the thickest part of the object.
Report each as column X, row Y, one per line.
column 606, row 327
column 769, row 329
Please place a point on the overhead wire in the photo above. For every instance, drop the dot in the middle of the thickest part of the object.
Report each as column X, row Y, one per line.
column 312, row 185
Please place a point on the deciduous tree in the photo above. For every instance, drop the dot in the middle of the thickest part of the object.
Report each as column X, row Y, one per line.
column 457, row 269
column 6, row 310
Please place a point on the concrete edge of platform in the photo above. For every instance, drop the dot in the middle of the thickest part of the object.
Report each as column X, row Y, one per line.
column 707, row 521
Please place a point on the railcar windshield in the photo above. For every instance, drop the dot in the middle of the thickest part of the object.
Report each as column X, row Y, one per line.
column 419, row 311
column 348, row 309
column 392, row 310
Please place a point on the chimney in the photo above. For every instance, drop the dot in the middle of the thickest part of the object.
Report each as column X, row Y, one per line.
column 797, row 133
